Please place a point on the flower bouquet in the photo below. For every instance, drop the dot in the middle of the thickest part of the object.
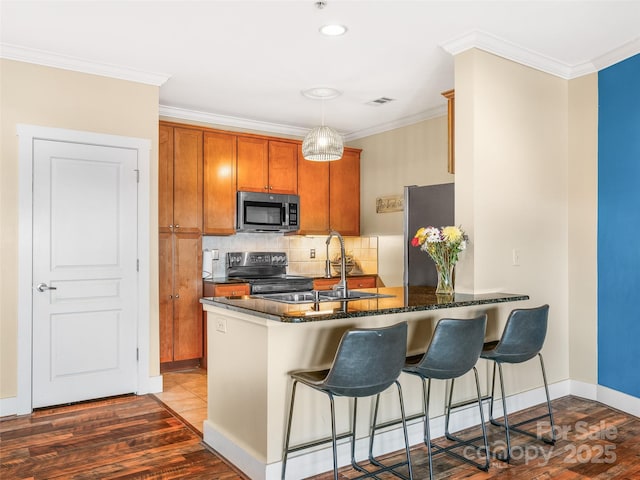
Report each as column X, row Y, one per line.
column 443, row 245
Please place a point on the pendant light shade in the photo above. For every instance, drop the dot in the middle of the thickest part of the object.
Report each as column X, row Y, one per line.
column 322, row 144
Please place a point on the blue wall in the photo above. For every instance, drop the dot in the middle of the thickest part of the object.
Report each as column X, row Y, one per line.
column 619, row 227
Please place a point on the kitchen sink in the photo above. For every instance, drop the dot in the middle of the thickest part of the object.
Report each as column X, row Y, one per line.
column 318, row 296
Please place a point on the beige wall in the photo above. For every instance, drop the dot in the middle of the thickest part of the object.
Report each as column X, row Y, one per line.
column 512, row 189
column 50, row 97
column 583, row 222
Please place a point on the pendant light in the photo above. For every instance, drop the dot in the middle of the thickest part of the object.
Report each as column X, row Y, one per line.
column 323, row 143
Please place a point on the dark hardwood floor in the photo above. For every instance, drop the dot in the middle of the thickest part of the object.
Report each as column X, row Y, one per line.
column 139, row 438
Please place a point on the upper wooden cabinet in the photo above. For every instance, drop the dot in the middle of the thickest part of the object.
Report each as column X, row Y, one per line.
column 313, row 188
column 330, row 195
column 344, row 193
column 267, row 165
column 450, row 95
column 180, row 179
column 283, row 167
column 219, row 210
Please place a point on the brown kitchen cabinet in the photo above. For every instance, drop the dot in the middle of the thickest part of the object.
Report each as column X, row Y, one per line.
column 267, row 165
column 226, row 289
column 180, row 273
column 180, row 179
column 313, row 188
column 330, row 195
column 344, row 194
column 450, row 95
column 365, row 281
column 219, row 199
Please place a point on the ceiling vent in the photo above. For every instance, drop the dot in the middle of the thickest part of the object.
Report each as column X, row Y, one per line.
column 380, row 101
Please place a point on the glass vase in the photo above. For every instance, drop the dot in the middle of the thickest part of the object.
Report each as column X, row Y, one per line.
column 445, row 279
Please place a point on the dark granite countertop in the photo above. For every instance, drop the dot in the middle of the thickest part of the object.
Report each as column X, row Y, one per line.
column 405, row 299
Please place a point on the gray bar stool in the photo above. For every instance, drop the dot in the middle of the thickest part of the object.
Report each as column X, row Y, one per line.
column 522, row 339
column 453, row 351
column 367, row 362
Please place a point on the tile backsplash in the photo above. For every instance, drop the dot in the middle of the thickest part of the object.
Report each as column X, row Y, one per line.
column 298, row 248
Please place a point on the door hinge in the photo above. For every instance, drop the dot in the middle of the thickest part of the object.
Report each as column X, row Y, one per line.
column 137, row 264
column 137, row 175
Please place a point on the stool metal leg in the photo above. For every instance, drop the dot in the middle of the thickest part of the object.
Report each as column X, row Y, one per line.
column 285, row 453
column 508, row 428
column 334, row 442
column 459, row 441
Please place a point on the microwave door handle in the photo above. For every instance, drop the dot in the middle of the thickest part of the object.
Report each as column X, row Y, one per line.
column 283, row 217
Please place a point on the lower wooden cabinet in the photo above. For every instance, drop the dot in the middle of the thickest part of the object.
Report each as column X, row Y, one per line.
column 226, row 289
column 180, row 272
column 352, row 282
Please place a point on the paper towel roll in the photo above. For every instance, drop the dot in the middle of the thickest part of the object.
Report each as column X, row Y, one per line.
column 207, row 263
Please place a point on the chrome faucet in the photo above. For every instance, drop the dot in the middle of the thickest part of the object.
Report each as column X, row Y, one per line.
column 341, row 286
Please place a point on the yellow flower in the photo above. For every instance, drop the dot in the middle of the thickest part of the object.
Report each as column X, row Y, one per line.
column 452, row 234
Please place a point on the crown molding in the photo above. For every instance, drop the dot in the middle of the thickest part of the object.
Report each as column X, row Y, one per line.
column 402, row 122
column 229, row 121
column 516, row 53
column 66, row 62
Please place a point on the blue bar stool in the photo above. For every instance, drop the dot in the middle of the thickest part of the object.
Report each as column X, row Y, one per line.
column 522, row 339
column 453, row 351
column 367, row 362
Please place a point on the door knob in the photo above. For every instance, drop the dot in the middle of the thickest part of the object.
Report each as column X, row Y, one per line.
column 41, row 287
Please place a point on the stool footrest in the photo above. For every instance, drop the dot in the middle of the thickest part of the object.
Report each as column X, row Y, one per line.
column 524, row 432
column 460, row 442
column 317, row 443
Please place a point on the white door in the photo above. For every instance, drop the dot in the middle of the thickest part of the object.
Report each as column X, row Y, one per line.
column 84, row 272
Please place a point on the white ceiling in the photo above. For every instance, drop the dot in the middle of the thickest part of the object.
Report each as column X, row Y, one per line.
column 244, row 63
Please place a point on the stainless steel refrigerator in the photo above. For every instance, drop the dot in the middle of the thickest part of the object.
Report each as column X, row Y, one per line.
column 428, row 205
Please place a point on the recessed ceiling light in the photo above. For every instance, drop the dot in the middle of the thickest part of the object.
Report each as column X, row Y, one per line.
column 333, row 30
column 321, row 93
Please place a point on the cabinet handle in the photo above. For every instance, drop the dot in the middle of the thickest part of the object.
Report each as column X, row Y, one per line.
column 171, row 296
column 266, row 187
column 177, row 295
column 170, row 226
column 177, row 226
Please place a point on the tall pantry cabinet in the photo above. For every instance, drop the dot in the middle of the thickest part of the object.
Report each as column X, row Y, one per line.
column 180, row 191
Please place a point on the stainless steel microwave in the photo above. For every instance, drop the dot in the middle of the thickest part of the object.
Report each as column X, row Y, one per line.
column 267, row 212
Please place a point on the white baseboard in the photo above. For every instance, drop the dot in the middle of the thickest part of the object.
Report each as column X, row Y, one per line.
column 8, row 406
column 619, row 400
column 583, row 390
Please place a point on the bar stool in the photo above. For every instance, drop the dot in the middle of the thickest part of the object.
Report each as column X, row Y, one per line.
column 522, row 339
column 453, row 351
column 367, row 362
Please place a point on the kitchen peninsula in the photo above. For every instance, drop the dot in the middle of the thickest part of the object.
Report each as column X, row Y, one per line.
column 254, row 343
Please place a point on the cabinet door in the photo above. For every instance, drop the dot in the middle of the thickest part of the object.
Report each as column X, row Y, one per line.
column 283, row 167
column 253, row 164
column 165, row 178
column 165, row 275
column 344, row 194
column 187, row 180
column 219, row 183
column 313, row 188
column 187, row 311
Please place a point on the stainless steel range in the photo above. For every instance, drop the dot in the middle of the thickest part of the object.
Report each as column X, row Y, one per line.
column 265, row 272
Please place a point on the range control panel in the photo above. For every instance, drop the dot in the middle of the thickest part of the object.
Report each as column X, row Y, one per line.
column 256, row 259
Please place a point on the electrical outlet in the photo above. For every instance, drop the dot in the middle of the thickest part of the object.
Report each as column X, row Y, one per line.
column 221, row 325
column 312, row 253
column 214, row 254
column 515, row 257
